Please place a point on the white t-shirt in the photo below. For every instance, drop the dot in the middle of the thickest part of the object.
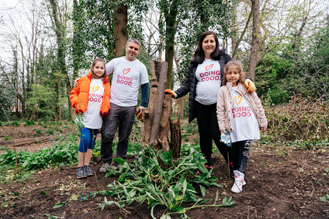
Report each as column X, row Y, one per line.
column 209, row 80
column 127, row 77
column 244, row 123
column 92, row 118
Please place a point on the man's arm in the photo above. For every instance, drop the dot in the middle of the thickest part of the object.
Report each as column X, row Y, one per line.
column 145, row 94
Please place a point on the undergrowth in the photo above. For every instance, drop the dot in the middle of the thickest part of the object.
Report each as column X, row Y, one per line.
column 62, row 152
column 167, row 183
column 302, row 119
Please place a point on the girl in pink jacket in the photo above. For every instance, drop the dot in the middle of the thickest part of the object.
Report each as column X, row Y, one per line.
column 240, row 114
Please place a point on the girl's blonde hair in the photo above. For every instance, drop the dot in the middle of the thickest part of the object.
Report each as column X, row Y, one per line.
column 239, row 66
column 93, row 65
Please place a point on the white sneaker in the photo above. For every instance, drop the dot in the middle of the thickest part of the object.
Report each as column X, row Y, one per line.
column 238, row 182
column 236, row 172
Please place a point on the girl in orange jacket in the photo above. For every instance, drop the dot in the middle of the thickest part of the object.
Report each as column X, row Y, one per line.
column 91, row 99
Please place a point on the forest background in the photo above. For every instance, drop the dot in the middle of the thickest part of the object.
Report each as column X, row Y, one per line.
column 46, row 44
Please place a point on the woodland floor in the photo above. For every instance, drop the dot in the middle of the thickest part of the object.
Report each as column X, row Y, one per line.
column 281, row 183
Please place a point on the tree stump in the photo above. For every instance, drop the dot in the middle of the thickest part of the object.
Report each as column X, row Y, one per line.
column 176, row 139
column 157, row 116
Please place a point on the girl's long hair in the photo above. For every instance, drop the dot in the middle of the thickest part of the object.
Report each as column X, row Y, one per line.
column 198, row 56
column 93, row 65
column 238, row 64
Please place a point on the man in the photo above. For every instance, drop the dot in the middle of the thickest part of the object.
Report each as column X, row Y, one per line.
column 128, row 74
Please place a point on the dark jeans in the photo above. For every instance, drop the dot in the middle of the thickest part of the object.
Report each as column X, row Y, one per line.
column 240, row 155
column 124, row 117
column 209, row 130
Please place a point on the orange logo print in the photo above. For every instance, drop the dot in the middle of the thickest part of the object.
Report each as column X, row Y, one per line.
column 208, row 67
column 95, row 88
column 126, row 71
column 237, row 99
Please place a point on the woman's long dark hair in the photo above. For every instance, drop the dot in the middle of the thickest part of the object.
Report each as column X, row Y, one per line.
column 198, row 56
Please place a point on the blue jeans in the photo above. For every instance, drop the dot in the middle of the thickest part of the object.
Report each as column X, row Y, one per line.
column 87, row 139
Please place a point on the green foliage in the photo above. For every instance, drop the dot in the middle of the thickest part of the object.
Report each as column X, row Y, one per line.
column 145, row 181
column 14, row 123
column 325, row 198
column 290, row 69
column 61, row 153
column 42, row 101
column 28, row 123
column 8, row 138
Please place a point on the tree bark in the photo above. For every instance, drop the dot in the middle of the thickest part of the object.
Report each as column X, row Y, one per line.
column 255, row 39
column 165, row 119
column 176, row 139
column 120, row 17
column 171, row 27
column 159, row 102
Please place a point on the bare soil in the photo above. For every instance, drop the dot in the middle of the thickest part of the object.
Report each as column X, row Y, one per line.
column 281, row 183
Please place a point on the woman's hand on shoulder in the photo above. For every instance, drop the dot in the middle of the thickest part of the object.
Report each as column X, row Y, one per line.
column 250, row 86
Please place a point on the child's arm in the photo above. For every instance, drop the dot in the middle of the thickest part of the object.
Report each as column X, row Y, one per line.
column 221, row 111
column 74, row 95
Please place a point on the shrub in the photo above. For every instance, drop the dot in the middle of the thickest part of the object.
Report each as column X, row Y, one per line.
column 300, row 119
column 61, row 153
column 28, row 123
column 15, row 123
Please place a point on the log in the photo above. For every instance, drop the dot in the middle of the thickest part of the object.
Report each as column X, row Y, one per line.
column 176, row 139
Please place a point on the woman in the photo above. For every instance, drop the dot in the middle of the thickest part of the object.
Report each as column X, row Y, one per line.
column 202, row 82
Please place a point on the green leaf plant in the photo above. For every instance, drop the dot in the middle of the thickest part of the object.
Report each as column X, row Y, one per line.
column 158, row 180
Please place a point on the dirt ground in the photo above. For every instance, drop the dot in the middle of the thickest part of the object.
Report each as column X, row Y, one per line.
column 280, row 184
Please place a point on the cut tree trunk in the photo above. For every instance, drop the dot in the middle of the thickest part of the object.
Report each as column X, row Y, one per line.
column 157, row 116
column 159, row 102
column 176, row 139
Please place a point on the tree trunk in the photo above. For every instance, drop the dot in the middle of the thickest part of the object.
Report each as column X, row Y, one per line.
column 157, row 115
column 171, row 27
column 120, row 17
column 176, row 139
column 159, row 102
column 59, row 28
column 255, row 39
column 165, row 120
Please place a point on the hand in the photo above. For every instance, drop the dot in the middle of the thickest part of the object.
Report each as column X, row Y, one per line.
column 76, row 82
column 173, row 94
column 263, row 129
column 139, row 113
column 226, row 138
column 250, row 86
